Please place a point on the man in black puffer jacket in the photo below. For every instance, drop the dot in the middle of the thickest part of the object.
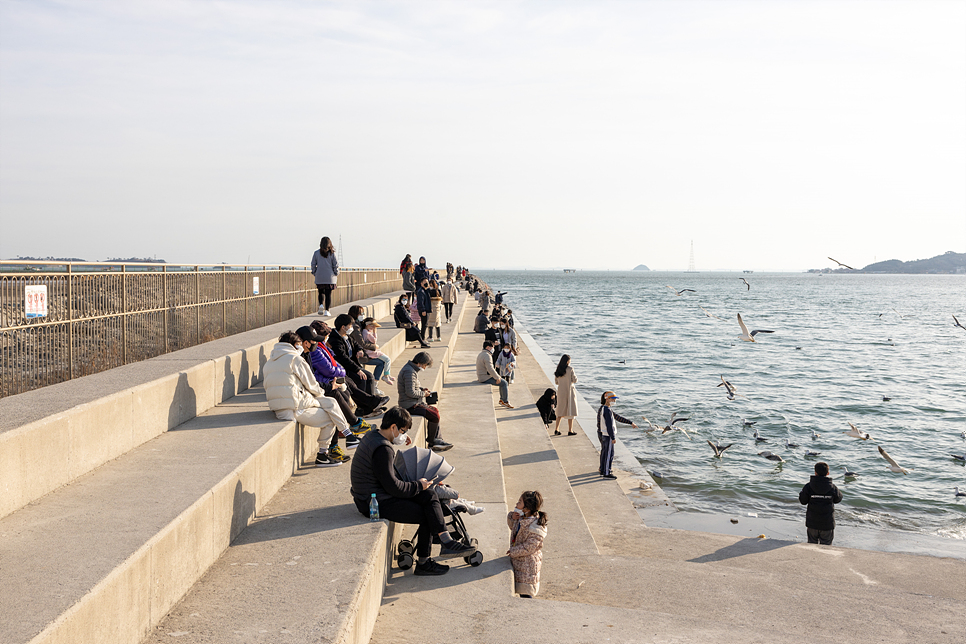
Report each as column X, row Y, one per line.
column 820, row 495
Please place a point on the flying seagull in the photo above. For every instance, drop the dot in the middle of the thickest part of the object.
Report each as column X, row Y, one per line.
column 749, row 337
column 670, row 426
column 651, row 427
column 855, row 433
column 895, row 467
column 710, row 315
column 850, row 474
column 957, row 323
column 718, row 448
column 730, row 388
column 772, row 457
column 841, row 264
column 746, row 283
column 682, row 291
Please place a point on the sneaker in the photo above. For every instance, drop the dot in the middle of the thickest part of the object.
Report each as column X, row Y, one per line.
column 472, row 508
column 441, row 446
column 321, row 309
column 430, row 568
column 383, row 402
column 455, row 549
column 380, row 392
column 609, row 476
column 378, row 411
column 322, row 460
column 503, row 403
column 336, row 454
column 389, row 380
column 326, row 314
column 352, row 442
column 360, row 428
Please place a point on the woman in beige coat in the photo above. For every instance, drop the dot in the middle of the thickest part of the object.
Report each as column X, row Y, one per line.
column 566, row 395
column 528, row 529
column 450, row 294
column 433, row 319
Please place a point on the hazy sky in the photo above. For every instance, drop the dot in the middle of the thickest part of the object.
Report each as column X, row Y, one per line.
column 494, row 134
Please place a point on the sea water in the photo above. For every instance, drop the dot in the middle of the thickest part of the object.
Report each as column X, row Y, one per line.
column 841, row 344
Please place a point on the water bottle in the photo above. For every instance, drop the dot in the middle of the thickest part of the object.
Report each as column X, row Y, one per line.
column 373, row 508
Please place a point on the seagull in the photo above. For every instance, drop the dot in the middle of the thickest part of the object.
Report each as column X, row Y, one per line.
column 749, row 337
column 958, row 457
column 886, row 399
column 651, row 427
column 849, row 474
column 855, row 433
column 732, row 392
column 622, row 362
column 746, row 283
column 815, row 435
column 958, row 493
column 710, row 315
column 791, row 445
column 656, row 475
column 809, row 452
column 772, row 457
column 962, row 434
column 957, row 323
column 748, row 423
column 683, row 290
column 670, row 426
column 718, row 449
column 759, row 439
column 841, row 264
column 895, row 467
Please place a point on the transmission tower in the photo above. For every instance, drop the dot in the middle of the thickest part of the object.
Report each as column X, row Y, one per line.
column 691, row 261
column 342, row 259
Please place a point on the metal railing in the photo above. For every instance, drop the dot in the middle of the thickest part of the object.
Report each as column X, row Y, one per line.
column 103, row 315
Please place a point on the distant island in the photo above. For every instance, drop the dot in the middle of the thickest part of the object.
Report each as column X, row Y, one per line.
column 641, row 267
column 947, row 263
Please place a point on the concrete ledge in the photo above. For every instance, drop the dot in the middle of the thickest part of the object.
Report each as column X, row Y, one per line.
column 51, row 436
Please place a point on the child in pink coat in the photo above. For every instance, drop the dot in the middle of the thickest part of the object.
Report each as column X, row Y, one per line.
column 528, row 528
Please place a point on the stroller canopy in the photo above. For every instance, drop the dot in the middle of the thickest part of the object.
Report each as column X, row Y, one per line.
column 420, row 463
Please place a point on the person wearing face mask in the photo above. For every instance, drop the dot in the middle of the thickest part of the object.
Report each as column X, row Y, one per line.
column 412, row 502
column 412, row 397
column 423, row 306
column 421, row 271
column 508, row 336
column 434, row 319
column 450, row 292
column 493, row 333
column 486, row 372
column 358, row 315
column 528, row 528
column 403, row 320
column 345, row 350
column 506, row 362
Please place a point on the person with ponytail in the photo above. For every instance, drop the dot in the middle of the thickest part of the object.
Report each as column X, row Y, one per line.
column 325, row 267
column 528, row 529
column 566, row 382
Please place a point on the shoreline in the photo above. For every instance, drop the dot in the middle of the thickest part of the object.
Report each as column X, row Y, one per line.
column 657, row 510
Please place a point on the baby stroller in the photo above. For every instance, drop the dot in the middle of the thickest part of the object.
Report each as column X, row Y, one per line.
column 416, row 463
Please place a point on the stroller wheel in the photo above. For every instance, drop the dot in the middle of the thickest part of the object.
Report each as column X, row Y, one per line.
column 404, row 561
column 474, row 559
column 405, row 547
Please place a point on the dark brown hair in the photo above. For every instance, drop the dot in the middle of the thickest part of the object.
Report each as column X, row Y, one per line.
column 532, row 502
column 326, row 247
column 562, row 366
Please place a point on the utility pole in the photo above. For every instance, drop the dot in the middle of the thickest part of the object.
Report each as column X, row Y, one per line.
column 341, row 257
column 691, row 261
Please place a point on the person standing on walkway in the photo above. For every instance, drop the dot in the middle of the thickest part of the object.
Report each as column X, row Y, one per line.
column 412, row 398
column 566, row 395
column 820, row 495
column 407, row 271
column 528, row 529
column 325, row 267
column 506, row 362
column 435, row 317
column 294, row 394
column 413, row 502
column 423, row 306
column 607, row 420
column 450, row 292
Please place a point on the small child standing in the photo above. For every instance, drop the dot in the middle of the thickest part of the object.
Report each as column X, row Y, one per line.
column 528, row 529
column 607, row 432
column 506, row 362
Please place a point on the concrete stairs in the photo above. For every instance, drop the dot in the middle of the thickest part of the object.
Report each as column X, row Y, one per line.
column 122, row 488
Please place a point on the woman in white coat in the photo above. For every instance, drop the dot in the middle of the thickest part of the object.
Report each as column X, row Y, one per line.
column 294, row 394
column 450, row 295
column 566, row 395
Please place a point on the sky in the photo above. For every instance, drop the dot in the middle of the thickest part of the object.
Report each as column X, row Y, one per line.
column 589, row 135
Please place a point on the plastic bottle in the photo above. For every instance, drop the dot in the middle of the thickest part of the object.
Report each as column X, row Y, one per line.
column 373, row 508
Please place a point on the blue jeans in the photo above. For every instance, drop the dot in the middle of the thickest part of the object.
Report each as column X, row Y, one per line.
column 504, row 388
column 382, row 366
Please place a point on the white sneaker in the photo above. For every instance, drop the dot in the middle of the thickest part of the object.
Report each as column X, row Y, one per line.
column 321, row 309
column 471, row 507
column 379, row 392
column 326, row 314
column 389, row 380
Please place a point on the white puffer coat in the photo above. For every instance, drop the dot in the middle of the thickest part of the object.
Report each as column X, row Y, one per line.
column 289, row 381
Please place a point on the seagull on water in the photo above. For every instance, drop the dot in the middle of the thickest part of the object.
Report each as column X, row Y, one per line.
column 809, row 452
column 622, row 362
column 895, row 467
column 730, row 388
column 849, row 474
column 748, row 423
column 959, row 457
column 957, row 323
column 886, row 399
column 746, row 283
column 759, row 439
column 841, row 264
column 709, row 314
column 749, row 337
column 815, row 435
column 958, row 493
column 791, row 445
column 682, row 291
column 855, row 433
column 719, row 448
column 772, row 457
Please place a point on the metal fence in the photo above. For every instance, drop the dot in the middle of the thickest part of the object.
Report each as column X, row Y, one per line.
column 96, row 316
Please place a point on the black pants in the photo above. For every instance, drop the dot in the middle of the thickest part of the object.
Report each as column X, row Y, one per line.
column 823, row 537
column 362, row 393
column 423, row 510
column 325, row 295
column 448, row 306
column 412, row 335
column 423, row 319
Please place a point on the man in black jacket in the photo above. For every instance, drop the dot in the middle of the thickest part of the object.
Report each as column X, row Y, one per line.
column 363, row 388
column 820, row 495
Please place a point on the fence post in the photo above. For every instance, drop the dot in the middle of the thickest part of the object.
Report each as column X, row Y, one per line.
column 224, row 301
column 124, row 314
column 198, row 302
column 164, row 303
column 70, row 320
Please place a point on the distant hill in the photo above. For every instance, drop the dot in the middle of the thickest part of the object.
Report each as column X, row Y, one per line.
column 641, row 267
column 50, row 259
column 948, row 262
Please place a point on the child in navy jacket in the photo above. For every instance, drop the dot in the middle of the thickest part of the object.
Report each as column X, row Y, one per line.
column 607, row 432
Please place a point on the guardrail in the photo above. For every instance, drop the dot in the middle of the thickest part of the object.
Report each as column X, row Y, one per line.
column 63, row 320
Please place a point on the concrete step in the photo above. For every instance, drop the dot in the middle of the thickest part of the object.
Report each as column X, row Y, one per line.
column 95, row 419
column 310, row 568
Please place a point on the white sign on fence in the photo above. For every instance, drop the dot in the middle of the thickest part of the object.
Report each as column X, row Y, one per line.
column 254, row 286
column 35, row 301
